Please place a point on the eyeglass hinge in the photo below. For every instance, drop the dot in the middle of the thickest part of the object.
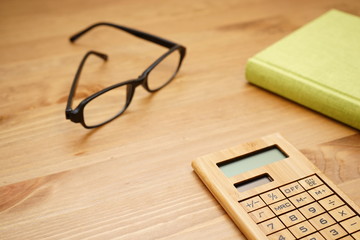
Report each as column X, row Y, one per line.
column 72, row 115
column 68, row 113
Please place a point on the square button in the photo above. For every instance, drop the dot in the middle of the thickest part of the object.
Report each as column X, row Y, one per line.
column 312, row 210
column 315, row 236
column 292, row 218
column 301, row 199
column 320, row 192
column 253, row 204
column 271, row 226
column 292, row 189
column 356, row 235
column 322, row 221
column 282, row 235
column 333, row 232
column 342, row 213
column 302, row 229
column 262, row 214
column 351, row 225
column 310, row 182
column 272, row 196
column 282, row 207
column 331, row 202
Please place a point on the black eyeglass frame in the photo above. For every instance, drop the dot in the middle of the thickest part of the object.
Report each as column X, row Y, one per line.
column 77, row 115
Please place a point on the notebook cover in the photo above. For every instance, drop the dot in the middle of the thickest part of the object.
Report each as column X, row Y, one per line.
column 317, row 66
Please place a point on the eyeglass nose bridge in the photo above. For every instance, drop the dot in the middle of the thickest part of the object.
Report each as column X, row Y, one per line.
column 134, row 83
column 130, row 92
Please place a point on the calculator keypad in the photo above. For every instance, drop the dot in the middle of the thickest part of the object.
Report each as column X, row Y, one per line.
column 303, row 209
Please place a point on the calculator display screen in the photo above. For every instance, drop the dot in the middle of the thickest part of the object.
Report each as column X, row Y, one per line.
column 251, row 161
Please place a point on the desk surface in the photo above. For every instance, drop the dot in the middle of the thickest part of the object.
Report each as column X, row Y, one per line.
column 132, row 178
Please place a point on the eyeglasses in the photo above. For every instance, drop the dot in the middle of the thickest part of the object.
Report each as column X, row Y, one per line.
column 109, row 103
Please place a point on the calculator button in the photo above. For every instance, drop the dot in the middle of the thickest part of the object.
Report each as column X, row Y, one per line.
column 322, row 221
column 333, row 232
column 310, row 182
column 301, row 199
column 331, row 202
column 356, row 235
column 351, row 225
column 282, row 207
column 282, row 235
column 312, row 210
column 320, row 192
column 292, row 218
column 272, row 196
column 314, row 236
column 302, row 229
column 262, row 214
column 271, row 226
column 253, row 204
column 292, row 189
column 341, row 213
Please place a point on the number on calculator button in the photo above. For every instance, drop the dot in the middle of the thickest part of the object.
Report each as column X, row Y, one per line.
column 312, row 210
column 333, row 232
column 302, row 229
column 322, row 221
column 315, row 236
column 282, row 235
column 271, row 226
column 292, row 218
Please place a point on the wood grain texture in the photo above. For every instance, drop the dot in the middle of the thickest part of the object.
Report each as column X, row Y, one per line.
column 132, row 178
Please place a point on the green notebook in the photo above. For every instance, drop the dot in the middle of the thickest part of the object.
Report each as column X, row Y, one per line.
column 317, row 66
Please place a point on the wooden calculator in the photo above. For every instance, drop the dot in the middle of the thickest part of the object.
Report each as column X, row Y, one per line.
column 272, row 191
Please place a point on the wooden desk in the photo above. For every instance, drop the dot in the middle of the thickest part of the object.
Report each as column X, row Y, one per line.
column 132, row 178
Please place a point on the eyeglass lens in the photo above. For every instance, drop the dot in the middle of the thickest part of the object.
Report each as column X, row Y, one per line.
column 164, row 71
column 106, row 106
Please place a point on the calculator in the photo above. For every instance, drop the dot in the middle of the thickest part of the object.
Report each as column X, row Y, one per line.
column 272, row 191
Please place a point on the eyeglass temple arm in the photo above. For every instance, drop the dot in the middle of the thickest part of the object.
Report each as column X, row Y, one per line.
column 137, row 33
column 77, row 76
